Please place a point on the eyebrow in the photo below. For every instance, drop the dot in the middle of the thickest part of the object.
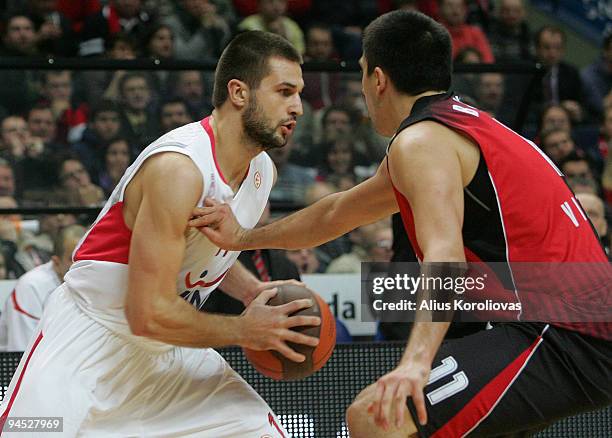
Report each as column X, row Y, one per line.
column 287, row 84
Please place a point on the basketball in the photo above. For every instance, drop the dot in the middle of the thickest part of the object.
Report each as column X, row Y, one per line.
column 276, row 366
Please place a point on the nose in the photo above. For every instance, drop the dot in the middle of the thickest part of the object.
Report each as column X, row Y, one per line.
column 297, row 109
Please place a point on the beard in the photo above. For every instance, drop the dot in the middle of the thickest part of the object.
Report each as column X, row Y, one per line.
column 258, row 130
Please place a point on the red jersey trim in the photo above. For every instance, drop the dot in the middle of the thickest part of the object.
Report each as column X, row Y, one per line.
column 206, row 125
column 16, row 389
column 109, row 239
column 483, row 403
column 18, row 308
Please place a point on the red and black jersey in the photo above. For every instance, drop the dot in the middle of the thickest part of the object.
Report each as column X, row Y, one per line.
column 518, row 210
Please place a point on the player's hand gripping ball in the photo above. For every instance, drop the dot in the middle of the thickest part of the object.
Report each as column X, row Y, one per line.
column 272, row 364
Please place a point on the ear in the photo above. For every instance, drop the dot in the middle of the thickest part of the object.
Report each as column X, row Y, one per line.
column 238, row 93
column 382, row 82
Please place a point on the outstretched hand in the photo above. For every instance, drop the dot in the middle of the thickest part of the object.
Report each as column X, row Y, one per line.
column 392, row 390
column 217, row 222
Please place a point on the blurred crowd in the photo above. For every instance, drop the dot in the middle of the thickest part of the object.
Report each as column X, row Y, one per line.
column 66, row 137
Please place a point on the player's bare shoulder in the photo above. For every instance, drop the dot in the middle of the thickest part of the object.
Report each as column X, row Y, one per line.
column 166, row 174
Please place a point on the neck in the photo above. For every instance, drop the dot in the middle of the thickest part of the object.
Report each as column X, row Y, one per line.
column 234, row 154
column 401, row 107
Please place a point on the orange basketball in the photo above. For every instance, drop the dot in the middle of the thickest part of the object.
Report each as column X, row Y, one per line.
column 276, row 366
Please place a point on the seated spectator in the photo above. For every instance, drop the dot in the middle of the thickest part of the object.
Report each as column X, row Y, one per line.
column 597, row 80
column 41, row 124
column 138, row 121
column 577, row 165
column 16, row 139
column 25, row 304
column 321, row 87
column 605, row 138
column 509, row 33
column 19, row 35
column 554, row 117
column 158, row 42
column 199, row 32
column 557, row 144
column 76, row 187
column 117, row 16
column 595, row 210
column 22, row 249
column 18, row 88
column 271, row 17
column 338, row 168
column 188, row 85
column 306, row 260
column 70, row 117
column 583, row 185
column 490, row 95
column 561, row 84
column 371, row 243
column 7, row 179
column 453, row 14
column 292, row 180
column 117, row 158
column 104, row 125
column 54, row 34
column 465, row 84
column 173, row 113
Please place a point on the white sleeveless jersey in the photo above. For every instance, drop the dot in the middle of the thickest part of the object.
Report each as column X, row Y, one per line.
column 99, row 276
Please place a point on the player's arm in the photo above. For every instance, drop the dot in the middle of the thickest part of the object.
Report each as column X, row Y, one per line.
column 325, row 220
column 162, row 196
column 427, row 171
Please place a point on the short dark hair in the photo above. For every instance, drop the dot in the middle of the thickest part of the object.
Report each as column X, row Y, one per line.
column 246, row 58
column 552, row 29
column 104, row 106
column 133, row 75
column 413, row 49
column 174, row 100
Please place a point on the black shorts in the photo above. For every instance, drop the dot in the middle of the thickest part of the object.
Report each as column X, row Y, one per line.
column 514, row 379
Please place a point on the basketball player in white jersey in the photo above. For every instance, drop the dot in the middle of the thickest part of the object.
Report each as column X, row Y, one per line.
column 25, row 305
column 122, row 349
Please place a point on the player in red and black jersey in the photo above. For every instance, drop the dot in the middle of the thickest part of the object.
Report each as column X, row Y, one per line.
column 469, row 189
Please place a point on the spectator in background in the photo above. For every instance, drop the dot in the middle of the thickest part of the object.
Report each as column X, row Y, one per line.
column 19, row 36
column 338, row 168
column 371, row 243
column 597, row 80
column 199, row 32
column 561, row 84
column 306, row 261
column 605, row 138
column 292, row 180
column 173, row 113
column 509, row 33
column 54, row 34
column 41, row 124
column 7, row 179
column 18, row 88
column 16, row 139
column 465, row 84
column 453, row 14
column 25, row 304
column 576, row 165
column 117, row 158
column 595, row 210
column 76, row 187
column 320, row 87
column 583, row 185
column 189, row 86
column 138, row 122
column 490, row 95
column 272, row 18
column 557, row 144
column 158, row 42
column 104, row 125
column 125, row 16
column 70, row 118
column 78, row 11
column 555, row 116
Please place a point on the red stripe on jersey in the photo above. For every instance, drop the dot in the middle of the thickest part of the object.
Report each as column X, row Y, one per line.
column 483, row 403
column 18, row 308
column 206, row 125
column 16, row 389
column 109, row 239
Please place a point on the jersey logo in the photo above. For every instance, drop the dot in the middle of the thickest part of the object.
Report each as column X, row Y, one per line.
column 202, row 283
column 257, row 179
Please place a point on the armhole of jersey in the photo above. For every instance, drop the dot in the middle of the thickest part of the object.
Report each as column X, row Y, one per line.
column 178, row 149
